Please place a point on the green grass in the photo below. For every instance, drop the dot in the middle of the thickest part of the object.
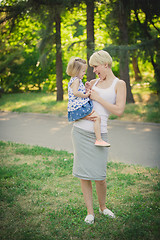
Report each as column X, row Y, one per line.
column 34, row 103
column 40, row 199
column 146, row 107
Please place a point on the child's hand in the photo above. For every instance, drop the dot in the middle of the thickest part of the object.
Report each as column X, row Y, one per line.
column 87, row 94
column 87, row 86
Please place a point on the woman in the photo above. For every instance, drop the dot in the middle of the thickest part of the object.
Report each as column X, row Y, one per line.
column 109, row 96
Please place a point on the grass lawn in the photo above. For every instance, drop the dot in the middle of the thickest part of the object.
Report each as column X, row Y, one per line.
column 34, row 103
column 146, row 107
column 40, row 199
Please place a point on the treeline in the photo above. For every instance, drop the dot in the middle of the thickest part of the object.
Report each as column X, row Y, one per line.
column 38, row 37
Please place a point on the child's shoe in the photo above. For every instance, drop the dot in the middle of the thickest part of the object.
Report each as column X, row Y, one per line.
column 102, row 143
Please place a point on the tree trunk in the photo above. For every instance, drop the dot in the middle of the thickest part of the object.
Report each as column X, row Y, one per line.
column 137, row 72
column 156, row 71
column 124, row 56
column 59, row 67
column 90, row 37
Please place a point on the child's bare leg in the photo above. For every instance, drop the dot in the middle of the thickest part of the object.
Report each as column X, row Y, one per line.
column 97, row 125
column 97, row 130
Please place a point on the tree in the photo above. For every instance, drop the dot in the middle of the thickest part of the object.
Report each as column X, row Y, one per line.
column 18, row 9
column 59, row 7
column 118, row 15
column 149, row 26
column 18, row 55
column 139, row 27
column 124, row 55
column 90, row 36
column 59, row 67
column 138, row 34
column 137, row 72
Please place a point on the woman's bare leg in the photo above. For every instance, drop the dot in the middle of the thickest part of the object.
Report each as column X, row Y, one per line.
column 101, row 188
column 86, row 187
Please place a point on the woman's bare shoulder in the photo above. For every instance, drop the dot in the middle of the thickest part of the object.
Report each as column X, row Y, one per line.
column 121, row 83
column 120, row 86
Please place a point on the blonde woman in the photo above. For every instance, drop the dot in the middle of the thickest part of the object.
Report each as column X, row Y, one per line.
column 108, row 94
column 79, row 103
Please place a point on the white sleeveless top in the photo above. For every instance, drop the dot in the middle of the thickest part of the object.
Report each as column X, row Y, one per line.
column 109, row 95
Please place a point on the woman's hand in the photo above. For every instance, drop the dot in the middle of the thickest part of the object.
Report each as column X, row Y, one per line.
column 91, row 116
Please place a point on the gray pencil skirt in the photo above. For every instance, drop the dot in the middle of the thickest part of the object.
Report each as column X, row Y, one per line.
column 90, row 161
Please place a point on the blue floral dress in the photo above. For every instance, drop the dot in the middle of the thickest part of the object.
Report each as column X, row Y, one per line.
column 78, row 107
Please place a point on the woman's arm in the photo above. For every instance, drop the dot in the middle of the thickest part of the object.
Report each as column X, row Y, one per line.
column 119, row 106
column 75, row 86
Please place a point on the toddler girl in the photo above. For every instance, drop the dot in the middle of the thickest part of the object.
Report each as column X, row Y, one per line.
column 79, row 103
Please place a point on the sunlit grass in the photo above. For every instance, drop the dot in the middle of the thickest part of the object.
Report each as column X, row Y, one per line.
column 146, row 106
column 40, row 199
column 34, row 102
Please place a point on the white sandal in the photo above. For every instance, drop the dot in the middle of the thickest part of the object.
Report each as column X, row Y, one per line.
column 107, row 212
column 89, row 219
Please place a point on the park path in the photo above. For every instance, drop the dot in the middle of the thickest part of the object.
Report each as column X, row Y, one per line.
column 131, row 143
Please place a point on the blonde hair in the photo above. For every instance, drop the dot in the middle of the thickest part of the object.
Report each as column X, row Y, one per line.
column 100, row 58
column 74, row 66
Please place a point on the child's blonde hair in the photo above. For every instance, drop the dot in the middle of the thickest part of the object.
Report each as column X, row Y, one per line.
column 99, row 58
column 74, row 66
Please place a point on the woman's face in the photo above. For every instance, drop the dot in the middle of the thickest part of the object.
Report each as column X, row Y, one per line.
column 100, row 70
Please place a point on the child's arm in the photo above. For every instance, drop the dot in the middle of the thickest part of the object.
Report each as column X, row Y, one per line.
column 75, row 86
column 89, row 85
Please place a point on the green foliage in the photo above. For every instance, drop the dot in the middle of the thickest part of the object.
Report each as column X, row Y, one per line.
column 19, row 57
column 25, row 74
column 28, row 36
